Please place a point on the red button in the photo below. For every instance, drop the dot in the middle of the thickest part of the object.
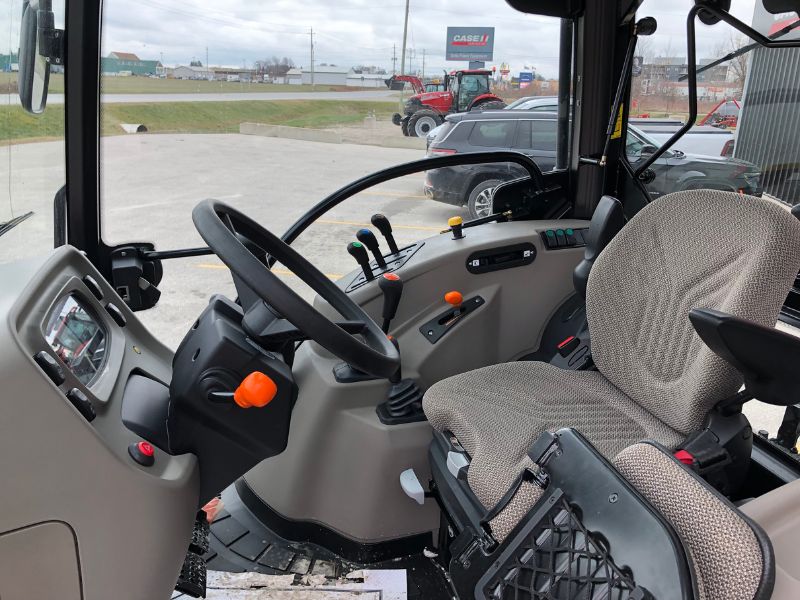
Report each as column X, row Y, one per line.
column 145, row 448
column 391, row 276
column 684, row 457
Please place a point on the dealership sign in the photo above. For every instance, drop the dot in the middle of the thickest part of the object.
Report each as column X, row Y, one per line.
column 470, row 43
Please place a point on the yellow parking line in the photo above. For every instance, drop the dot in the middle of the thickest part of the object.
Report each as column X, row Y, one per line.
column 333, row 276
column 357, row 224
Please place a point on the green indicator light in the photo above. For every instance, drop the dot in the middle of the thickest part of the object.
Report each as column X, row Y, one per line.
column 570, row 232
column 550, row 233
column 560, row 232
column 357, row 245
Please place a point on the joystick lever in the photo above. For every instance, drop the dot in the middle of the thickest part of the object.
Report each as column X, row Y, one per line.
column 381, row 223
column 366, row 237
column 392, row 287
column 357, row 251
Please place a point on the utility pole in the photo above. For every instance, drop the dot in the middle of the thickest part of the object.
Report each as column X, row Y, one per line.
column 311, row 33
column 394, row 59
column 423, row 64
column 405, row 34
column 208, row 69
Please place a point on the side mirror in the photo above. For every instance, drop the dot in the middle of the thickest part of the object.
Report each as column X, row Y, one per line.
column 40, row 45
column 648, row 150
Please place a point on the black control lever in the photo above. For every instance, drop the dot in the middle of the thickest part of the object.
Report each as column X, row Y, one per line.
column 392, row 287
column 381, row 223
column 366, row 237
column 357, row 251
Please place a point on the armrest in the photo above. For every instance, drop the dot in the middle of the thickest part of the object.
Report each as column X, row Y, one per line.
column 767, row 358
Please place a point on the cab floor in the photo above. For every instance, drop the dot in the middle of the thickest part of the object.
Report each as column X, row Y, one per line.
column 241, row 543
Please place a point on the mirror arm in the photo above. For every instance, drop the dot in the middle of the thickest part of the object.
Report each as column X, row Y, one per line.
column 51, row 40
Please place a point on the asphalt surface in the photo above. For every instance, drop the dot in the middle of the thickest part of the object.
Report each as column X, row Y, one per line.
column 377, row 95
column 151, row 183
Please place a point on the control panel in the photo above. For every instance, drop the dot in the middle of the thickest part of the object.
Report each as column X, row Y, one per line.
column 563, row 238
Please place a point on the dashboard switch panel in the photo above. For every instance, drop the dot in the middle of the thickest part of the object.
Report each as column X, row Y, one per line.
column 94, row 287
column 116, row 314
column 80, row 401
column 505, row 257
column 50, row 366
column 564, row 238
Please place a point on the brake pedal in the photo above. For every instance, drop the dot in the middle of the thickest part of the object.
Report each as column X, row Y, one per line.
column 199, row 543
column 192, row 580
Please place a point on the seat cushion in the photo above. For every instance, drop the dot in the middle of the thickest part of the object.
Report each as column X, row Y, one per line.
column 731, row 555
column 497, row 412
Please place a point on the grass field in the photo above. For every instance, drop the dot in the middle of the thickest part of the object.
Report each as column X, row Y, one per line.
column 193, row 117
column 146, row 85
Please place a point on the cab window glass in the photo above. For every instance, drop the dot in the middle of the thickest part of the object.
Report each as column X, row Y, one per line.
column 745, row 138
column 31, row 147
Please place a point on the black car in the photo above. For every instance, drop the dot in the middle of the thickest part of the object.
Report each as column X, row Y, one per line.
column 534, row 134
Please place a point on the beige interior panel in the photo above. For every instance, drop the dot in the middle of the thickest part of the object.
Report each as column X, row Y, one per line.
column 342, row 465
column 40, row 561
column 777, row 513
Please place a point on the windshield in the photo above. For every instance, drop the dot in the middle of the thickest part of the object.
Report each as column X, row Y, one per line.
column 31, row 148
column 272, row 110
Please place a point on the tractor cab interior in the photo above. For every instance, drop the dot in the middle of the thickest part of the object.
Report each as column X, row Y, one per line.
column 557, row 400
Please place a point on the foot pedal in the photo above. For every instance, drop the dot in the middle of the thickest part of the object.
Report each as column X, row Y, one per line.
column 192, row 580
column 200, row 541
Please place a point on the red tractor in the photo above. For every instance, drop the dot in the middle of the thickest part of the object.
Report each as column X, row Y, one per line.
column 463, row 91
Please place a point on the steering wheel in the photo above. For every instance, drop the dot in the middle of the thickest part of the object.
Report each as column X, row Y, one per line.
column 222, row 227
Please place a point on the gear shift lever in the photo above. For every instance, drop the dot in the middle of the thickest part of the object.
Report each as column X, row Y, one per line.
column 366, row 237
column 381, row 223
column 392, row 287
column 357, row 251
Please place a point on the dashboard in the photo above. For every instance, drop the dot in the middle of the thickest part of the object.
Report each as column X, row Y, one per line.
column 73, row 486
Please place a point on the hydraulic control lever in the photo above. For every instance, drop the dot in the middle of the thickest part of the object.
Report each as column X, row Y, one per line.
column 357, row 251
column 381, row 223
column 366, row 237
column 392, row 287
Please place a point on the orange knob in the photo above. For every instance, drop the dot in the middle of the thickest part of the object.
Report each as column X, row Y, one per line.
column 454, row 298
column 256, row 390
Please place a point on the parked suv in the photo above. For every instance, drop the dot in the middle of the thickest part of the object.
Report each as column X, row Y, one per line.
column 535, row 134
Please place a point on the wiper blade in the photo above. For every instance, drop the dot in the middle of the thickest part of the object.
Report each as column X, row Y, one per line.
column 9, row 225
column 743, row 50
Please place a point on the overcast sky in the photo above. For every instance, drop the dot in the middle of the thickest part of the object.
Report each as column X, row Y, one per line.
column 350, row 32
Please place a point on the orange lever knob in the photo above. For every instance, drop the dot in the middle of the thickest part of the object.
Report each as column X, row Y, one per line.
column 454, row 298
column 256, row 390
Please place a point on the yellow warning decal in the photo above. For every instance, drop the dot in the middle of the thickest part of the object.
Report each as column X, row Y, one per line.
column 618, row 126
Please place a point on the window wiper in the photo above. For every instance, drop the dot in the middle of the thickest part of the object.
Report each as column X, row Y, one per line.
column 744, row 49
column 7, row 226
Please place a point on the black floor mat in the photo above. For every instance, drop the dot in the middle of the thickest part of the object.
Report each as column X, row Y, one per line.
column 241, row 542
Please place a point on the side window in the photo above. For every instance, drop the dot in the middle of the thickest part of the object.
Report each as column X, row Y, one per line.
column 492, row 133
column 544, row 135
column 537, row 135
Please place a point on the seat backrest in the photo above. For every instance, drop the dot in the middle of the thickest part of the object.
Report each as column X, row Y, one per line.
column 693, row 249
column 607, row 220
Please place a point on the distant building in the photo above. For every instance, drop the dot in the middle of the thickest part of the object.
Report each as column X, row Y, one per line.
column 294, row 76
column 126, row 63
column 188, row 72
column 356, row 79
column 326, row 75
column 234, row 74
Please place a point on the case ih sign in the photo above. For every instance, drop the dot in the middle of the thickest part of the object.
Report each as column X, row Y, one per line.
column 470, row 43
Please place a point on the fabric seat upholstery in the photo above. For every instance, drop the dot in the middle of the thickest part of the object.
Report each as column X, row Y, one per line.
column 656, row 379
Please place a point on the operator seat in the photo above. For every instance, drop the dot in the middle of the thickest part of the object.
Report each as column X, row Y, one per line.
column 655, row 378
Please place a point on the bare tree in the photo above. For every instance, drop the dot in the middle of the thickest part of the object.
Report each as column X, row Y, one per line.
column 738, row 65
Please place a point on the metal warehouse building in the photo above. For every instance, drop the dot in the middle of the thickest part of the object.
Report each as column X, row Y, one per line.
column 327, row 75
